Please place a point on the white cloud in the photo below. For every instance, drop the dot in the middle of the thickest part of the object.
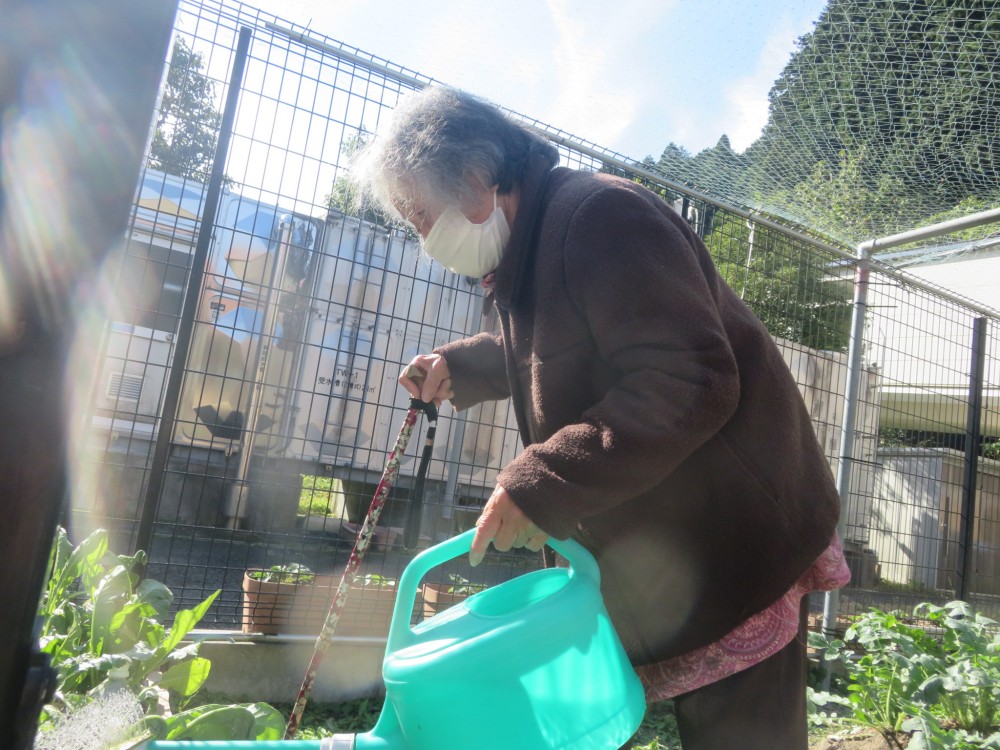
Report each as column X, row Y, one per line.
column 600, row 87
column 746, row 105
column 650, row 72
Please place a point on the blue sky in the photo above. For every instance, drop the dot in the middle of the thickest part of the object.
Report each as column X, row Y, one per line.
column 629, row 75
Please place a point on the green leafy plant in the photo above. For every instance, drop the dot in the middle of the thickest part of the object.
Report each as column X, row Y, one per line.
column 463, row 586
column 291, row 573
column 928, row 734
column 102, row 624
column 991, row 449
column 213, row 721
column 936, row 674
column 104, row 629
column 658, row 730
column 374, row 580
column 895, row 661
column 967, row 692
column 320, row 495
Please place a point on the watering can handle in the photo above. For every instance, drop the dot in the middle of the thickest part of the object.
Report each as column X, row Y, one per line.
column 580, row 560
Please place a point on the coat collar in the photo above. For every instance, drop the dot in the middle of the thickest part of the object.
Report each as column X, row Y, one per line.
column 508, row 280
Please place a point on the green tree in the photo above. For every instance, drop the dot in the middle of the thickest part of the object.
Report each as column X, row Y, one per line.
column 187, row 123
column 344, row 195
column 719, row 169
column 796, row 294
column 849, row 197
column 716, row 170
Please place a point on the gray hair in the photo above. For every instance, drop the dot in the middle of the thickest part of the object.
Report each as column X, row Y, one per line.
column 442, row 145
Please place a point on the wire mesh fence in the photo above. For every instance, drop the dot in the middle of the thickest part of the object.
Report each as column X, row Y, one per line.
column 246, row 428
column 883, row 119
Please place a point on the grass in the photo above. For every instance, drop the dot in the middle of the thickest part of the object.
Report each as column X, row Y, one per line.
column 657, row 732
column 327, row 719
column 320, row 495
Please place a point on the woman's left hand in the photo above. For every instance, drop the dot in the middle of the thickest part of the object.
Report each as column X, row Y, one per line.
column 504, row 524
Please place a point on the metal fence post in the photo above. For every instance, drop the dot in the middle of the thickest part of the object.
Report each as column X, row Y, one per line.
column 171, row 396
column 450, row 499
column 971, row 473
column 831, row 602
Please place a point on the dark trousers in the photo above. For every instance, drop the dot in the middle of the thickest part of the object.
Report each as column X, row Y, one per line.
column 761, row 708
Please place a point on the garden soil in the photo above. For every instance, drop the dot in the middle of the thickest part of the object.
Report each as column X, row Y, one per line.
column 867, row 739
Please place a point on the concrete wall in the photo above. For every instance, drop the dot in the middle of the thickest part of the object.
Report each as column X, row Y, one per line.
column 822, row 380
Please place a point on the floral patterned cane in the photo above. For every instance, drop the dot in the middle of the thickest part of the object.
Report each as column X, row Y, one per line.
column 361, row 544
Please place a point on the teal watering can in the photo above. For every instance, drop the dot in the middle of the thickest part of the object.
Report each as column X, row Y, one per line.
column 530, row 664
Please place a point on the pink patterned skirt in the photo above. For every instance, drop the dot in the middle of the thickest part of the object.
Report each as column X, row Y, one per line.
column 754, row 640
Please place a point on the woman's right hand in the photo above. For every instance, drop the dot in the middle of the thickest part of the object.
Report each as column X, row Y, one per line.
column 427, row 378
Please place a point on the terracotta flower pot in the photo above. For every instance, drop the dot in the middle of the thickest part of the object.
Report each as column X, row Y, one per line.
column 437, row 597
column 267, row 606
column 272, row 608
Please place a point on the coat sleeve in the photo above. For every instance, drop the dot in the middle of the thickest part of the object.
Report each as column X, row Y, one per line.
column 478, row 370
column 648, row 294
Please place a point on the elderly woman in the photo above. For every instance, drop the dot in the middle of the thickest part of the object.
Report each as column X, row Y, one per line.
column 661, row 426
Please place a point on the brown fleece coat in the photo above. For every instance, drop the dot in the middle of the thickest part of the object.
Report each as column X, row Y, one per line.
column 662, row 427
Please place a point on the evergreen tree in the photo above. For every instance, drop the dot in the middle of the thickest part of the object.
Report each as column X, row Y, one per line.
column 719, row 169
column 675, row 163
column 900, row 96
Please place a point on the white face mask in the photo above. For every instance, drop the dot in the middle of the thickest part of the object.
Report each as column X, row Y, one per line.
column 466, row 248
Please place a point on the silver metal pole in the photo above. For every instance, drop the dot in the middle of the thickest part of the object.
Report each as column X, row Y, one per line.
column 339, row 52
column 934, row 230
column 450, row 500
column 831, row 602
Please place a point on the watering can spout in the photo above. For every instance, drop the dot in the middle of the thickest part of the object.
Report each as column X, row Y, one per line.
column 338, row 742
column 366, row 741
column 386, row 735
